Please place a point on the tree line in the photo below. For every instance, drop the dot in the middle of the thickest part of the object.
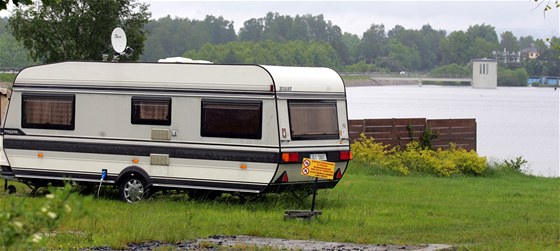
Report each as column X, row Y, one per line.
column 305, row 40
column 309, row 40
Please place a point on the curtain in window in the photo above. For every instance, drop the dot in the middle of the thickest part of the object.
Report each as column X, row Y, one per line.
column 153, row 110
column 48, row 111
column 308, row 119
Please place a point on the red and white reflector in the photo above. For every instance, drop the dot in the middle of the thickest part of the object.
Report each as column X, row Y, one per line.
column 338, row 174
column 283, row 178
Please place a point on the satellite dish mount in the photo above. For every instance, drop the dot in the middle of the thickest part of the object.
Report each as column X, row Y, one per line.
column 118, row 41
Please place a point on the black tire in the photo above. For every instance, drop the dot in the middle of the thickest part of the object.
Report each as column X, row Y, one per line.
column 11, row 189
column 133, row 189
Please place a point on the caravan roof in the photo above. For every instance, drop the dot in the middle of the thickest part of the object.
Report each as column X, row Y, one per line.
column 182, row 76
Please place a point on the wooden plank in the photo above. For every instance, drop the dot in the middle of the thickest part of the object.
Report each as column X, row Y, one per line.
column 456, row 141
column 378, row 122
column 411, row 121
column 378, row 129
column 451, row 137
column 433, row 123
column 356, row 122
column 454, row 130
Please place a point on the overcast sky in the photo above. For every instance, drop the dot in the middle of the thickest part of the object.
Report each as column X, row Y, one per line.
column 522, row 17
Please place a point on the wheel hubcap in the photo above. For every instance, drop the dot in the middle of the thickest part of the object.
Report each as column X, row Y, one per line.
column 133, row 190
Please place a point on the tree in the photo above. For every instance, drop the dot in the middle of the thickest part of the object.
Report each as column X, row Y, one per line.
column 12, row 54
column 509, row 42
column 550, row 60
column 481, row 48
column 548, row 4
column 541, row 46
column 297, row 53
column 526, row 42
column 484, row 31
column 374, row 43
column 219, row 30
column 426, row 42
column 352, row 42
column 78, row 29
column 394, row 33
column 406, row 58
column 455, row 48
column 252, row 30
column 430, row 52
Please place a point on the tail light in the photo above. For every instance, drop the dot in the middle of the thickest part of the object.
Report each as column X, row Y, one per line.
column 283, row 178
column 345, row 155
column 290, row 157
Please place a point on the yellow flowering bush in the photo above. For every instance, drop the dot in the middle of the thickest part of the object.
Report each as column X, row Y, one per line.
column 375, row 155
column 415, row 158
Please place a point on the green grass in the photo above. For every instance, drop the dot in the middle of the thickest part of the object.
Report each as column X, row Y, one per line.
column 355, row 77
column 7, row 77
column 498, row 212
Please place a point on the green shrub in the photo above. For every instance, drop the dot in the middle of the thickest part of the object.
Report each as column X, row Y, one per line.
column 417, row 158
column 507, row 77
column 507, row 167
column 24, row 224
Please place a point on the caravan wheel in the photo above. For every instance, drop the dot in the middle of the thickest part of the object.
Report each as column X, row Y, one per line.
column 132, row 189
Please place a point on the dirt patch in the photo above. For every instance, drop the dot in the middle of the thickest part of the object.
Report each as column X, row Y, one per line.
column 241, row 242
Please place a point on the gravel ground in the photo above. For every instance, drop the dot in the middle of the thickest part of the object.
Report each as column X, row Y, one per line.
column 240, row 242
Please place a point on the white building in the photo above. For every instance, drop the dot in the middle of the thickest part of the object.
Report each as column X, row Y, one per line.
column 485, row 73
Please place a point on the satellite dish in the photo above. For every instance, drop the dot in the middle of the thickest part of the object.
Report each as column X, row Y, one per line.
column 118, row 40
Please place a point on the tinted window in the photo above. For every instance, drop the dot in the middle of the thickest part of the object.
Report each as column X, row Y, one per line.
column 48, row 111
column 151, row 111
column 313, row 119
column 231, row 119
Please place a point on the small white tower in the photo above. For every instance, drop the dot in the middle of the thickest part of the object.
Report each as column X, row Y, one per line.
column 485, row 73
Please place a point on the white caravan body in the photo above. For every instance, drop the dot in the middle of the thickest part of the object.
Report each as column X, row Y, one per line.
column 236, row 128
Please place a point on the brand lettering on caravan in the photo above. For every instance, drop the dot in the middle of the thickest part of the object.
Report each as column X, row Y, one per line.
column 285, row 88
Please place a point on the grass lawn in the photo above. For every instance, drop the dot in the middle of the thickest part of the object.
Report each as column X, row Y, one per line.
column 501, row 212
column 7, row 77
column 355, row 77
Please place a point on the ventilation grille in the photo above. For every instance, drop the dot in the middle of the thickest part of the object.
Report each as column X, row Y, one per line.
column 161, row 134
column 159, row 159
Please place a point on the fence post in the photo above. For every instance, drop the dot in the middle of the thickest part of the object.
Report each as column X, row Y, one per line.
column 364, row 126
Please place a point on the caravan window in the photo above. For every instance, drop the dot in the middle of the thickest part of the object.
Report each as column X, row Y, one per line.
column 48, row 111
column 231, row 119
column 151, row 110
column 313, row 119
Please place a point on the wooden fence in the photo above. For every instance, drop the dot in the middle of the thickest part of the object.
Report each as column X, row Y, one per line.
column 399, row 132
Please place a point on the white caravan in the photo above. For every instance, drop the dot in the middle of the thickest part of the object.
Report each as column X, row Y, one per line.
column 198, row 127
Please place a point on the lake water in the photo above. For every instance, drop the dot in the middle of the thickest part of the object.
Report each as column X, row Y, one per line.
column 511, row 121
